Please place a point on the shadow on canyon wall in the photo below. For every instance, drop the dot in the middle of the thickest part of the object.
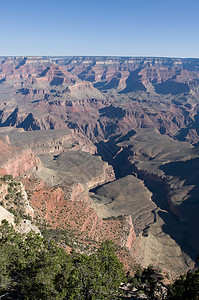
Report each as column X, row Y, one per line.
column 188, row 172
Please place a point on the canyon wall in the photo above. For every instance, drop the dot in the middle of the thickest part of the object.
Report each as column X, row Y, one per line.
column 16, row 162
column 101, row 96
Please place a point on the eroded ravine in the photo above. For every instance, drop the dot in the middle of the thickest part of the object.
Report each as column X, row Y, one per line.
column 164, row 234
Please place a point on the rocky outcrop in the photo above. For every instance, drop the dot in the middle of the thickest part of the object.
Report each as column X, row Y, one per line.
column 10, row 191
column 26, row 226
column 28, row 210
column 106, row 176
column 126, row 196
column 76, row 167
column 6, row 215
column 78, row 193
column 128, row 237
column 48, row 141
column 23, row 227
column 70, row 208
column 15, row 161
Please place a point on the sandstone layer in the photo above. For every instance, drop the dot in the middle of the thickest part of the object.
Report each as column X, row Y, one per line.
column 15, row 161
column 101, row 96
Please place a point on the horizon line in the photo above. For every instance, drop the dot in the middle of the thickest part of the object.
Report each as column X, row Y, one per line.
column 94, row 56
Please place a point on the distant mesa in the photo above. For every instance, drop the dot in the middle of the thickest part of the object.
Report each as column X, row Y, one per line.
column 136, row 92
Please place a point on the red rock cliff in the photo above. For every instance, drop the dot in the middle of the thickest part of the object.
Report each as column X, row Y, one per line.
column 15, row 161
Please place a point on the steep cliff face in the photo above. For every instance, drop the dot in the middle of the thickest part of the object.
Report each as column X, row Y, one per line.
column 16, row 161
column 106, row 176
column 128, row 237
column 126, row 196
column 71, row 209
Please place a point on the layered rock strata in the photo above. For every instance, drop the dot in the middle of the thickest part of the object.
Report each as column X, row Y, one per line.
column 101, row 96
column 15, row 161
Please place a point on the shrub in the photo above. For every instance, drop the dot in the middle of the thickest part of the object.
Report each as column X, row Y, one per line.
column 34, row 268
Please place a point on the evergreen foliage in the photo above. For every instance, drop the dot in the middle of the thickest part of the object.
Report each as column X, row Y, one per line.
column 32, row 267
column 186, row 287
column 150, row 282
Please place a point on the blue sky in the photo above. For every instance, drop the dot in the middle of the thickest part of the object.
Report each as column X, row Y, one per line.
column 117, row 28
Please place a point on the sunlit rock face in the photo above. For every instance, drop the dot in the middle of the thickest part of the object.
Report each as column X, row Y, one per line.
column 59, row 115
column 101, row 96
column 15, row 161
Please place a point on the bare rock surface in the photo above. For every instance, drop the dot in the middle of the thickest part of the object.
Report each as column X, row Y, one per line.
column 101, row 96
column 69, row 103
column 16, row 206
column 162, row 245
column 127, row 196
column 79, row 167
column 6, row 215
column 16, row 161
column 48, row 141
column 170, row 171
